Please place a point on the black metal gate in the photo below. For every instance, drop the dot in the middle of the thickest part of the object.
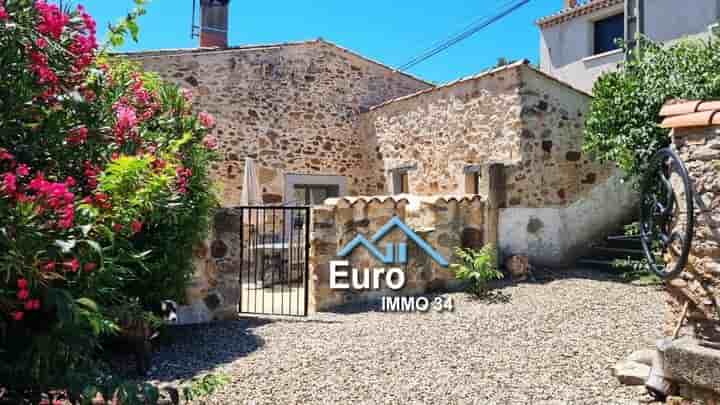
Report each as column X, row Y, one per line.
column 274, row 267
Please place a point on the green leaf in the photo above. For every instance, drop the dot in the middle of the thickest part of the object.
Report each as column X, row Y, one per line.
column 87, row 303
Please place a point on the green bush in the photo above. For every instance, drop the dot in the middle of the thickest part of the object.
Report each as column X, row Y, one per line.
column 477, row 268
column 104, row 193
column 623, row 122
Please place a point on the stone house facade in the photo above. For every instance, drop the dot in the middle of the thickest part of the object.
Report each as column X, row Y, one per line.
column 491, row 159
column 294, row 108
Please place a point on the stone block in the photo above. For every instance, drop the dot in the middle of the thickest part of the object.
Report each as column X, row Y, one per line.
column 692, row 364
column 631, row 373
column 518, row 267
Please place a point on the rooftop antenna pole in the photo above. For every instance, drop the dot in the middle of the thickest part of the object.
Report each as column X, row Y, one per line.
column 634, row 25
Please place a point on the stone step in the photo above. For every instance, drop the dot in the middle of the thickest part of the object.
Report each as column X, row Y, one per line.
column 623, row 242
column 616, row 253
column 599, row 264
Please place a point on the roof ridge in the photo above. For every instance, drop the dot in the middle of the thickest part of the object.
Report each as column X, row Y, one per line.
column 514, row 65
column 476, row 76
column 373, row 61
column 201, row 50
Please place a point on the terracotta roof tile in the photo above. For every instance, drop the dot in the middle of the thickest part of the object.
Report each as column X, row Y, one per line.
column 569, row 13
column 688, row 107
column 690, row 114
column 413, row 200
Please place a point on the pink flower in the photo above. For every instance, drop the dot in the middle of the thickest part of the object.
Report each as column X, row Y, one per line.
column 126, row 121
column 3, row 14
column 23, row 295
column 41, row 43
column 136, row 226
column 70, row 182
column 88, row 267
column 29, row 305
column 17, row 315
column 210, row 142
column 102, row 200
column 67, row 217
column 36, row 304
column 78, row 136
column 49, row 266
column 53, row 20
column 9, row 183
column 22, row 170
column 5, row 155
column 187, row 95
column 22, row 284
column 206, row 120
column 117, row 227
column 73, row 265
column 183, row 179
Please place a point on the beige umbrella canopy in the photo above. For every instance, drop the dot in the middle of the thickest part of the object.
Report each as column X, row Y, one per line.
column 251, row 186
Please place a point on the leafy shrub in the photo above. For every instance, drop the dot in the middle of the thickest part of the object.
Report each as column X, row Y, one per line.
column 104, row 191
column 637, row 271
column 201, row 387
column 622, row 125
column 477, row 268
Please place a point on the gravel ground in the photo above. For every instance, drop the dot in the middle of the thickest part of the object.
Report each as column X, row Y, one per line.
column 552, row 342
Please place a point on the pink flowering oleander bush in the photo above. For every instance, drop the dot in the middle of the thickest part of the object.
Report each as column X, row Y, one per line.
column 104, row 192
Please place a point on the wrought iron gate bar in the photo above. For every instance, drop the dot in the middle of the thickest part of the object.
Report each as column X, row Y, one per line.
column 274, row 250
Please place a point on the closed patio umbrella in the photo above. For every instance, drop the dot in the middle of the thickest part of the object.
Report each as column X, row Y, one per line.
column 251, row 186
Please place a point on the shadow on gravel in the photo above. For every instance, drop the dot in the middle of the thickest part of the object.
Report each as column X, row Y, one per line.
column 544, row 275
column 185, row 351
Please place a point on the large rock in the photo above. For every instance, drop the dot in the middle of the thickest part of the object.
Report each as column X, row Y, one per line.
column 644, row 356
column 631, row 373
column 692, row 364
column 519, row 267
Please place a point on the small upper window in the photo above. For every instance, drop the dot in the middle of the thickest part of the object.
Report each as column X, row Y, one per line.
column 607, row 31
column 403, row 182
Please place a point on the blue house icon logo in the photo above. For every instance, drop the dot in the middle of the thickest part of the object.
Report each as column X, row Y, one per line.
column 391, row 254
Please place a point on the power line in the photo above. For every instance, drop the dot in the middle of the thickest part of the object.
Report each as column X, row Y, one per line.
column 471, row 30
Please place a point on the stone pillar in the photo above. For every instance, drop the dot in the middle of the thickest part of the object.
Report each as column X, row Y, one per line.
column 496, row 200
column 699, row 283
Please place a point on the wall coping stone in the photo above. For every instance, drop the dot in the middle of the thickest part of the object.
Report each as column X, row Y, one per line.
column 412, row 200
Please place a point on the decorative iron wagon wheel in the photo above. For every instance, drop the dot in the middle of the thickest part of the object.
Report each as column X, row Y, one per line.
column 666, row 223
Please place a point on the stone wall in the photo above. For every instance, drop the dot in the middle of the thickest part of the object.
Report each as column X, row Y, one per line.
column 214, row 292
column 439, row 133
column 443, row 222
column 554, row 198
column 699, row 283
column 294, row 108
column 553, row 170
column 513, row 115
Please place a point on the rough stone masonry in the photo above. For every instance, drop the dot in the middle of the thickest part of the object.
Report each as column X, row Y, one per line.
column 293, row 108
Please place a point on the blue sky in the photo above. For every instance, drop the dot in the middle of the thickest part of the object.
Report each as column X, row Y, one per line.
column 390, row 31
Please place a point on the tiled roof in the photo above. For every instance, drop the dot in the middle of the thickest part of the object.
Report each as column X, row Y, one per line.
column 567, row 14
column 690, row 114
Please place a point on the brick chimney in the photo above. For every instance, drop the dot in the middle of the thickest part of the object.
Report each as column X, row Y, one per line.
column 214, row 23
column 570, row 3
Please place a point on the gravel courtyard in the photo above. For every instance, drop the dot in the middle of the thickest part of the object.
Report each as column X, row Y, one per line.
column 552, row 342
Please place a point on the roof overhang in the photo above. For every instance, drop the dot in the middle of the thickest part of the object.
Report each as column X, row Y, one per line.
column 571, row 13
